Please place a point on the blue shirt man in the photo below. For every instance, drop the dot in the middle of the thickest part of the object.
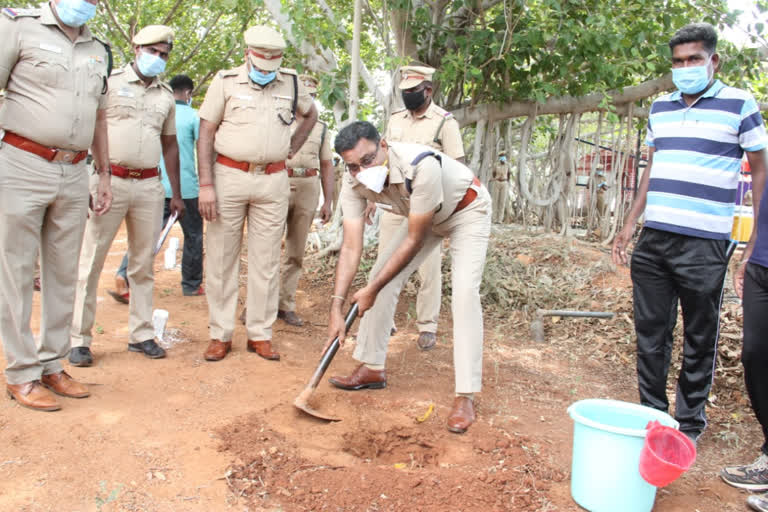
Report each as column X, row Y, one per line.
column 187, row 131
column 697, row 137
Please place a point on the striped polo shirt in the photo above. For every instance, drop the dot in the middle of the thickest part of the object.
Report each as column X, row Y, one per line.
column 697, row 159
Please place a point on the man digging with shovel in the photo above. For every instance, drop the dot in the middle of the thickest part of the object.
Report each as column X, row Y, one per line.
column 440, row 197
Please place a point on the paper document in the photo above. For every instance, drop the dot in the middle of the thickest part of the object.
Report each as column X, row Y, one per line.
column 166, row 230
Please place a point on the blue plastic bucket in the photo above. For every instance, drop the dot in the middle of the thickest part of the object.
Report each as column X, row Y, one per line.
column 608, row 436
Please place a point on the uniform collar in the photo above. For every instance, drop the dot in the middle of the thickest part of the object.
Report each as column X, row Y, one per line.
column 48, row 18
column 131, row 75
column 429, row 113
column 242, row 77
column 712, row 92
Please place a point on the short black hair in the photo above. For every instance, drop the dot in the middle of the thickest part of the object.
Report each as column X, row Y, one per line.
column 182, row 83
column 351, row 134
column 694, row 33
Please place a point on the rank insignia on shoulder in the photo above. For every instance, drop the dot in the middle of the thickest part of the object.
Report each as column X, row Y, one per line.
column 13, row 12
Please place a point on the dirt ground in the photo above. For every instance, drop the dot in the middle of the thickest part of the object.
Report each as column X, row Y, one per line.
column 183, row 434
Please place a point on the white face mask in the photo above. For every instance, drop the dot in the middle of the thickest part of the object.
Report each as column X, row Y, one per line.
column 373, row 177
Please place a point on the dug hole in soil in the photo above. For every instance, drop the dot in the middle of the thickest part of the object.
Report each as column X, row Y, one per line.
column 182, row 434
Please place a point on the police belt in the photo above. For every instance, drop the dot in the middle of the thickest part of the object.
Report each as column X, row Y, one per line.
column 136, row 174
column 469, row 196
column 248, row 166
column 64, row 156
column 302, row 173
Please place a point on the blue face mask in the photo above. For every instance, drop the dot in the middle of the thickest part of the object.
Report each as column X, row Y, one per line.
column 502, row 159
column 150, row 65
column 691, row 80
column 75, row 13
column 261, row 78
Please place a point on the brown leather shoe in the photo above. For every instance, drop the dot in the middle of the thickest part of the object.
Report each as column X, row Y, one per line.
column 426, row 340
column 264, row 349
column 290, row 317
column 217, row 350
column 362, row 378
column 462, row 415
column 33, row 396
column 63, row 384
column 121, row 293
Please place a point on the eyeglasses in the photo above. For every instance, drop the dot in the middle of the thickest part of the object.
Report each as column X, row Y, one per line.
column 366, row 161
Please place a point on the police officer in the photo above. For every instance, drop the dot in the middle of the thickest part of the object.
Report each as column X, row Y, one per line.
column 422, row 122
column 48, row 120
column 305, row 191
column 142, row 125
column 246, row 118
column 439, row 197
column 500, row 187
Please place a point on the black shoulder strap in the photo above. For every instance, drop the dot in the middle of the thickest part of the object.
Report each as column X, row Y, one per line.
column 110, row 63
column 295, row 94
column 419, row 158
column 422, row 156
column 437, row 139
column 322, row 137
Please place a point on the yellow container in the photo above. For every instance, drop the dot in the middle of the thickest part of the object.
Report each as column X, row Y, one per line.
column 743, row 221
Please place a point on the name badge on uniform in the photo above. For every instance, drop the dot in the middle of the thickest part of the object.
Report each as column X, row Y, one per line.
column 244, row 97
column 50, row 48
column 126, row 93
column 384, row 206
column 282, row 97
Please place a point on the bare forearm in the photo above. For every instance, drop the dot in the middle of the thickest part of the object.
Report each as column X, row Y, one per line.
column 302, row 132
column 171, row 159
column 638, row 205
column 100, row 144
column 326, row 180
column 397, row 262
column 205, row 154
column 346, row 268
column 758, row 167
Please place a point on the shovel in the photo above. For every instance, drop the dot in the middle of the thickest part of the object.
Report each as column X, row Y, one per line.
column 301, row 401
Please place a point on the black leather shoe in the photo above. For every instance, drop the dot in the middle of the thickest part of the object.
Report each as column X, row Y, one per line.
column 150, row 349
column 80, row 356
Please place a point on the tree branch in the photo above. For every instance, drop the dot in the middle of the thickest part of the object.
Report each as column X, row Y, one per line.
column 118, row 27
column 172, row 12
column 560, row 105
column 200, row 40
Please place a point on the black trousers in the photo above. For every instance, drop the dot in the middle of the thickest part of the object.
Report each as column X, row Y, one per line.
column 754, row 355
column 668, row 268
column 192, row 257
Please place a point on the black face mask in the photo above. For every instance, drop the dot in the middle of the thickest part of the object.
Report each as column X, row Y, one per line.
column 413, row 100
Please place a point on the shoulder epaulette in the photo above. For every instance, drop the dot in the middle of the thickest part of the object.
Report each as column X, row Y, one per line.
column 288, row 71
column 110, row 59
column 166, row 86
column 228, row 72
column 118, row 71
column 13, row 12
column 398, row 111
column 442, row 112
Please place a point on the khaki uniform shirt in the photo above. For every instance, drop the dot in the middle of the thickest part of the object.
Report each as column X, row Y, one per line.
column 137, row 116
column 317, row 148
column 427, row 186
column 248, row 115
column 53, row 86
column 403, row 127
column 500, row 172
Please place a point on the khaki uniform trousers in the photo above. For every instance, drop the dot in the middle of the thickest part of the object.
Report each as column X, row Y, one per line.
column 499, row 196
column 43, row 205
column 305, row 193
column 430, row 274
column 263, row 200
column 469, row 231
column 140, row 203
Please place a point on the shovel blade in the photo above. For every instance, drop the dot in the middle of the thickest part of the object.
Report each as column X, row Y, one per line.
column 302, row 404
